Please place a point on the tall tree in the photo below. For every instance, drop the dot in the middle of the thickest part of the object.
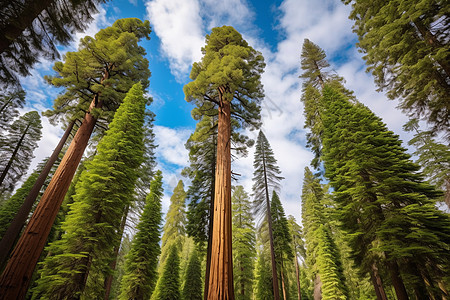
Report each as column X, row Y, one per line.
column 266, row 177
column 81, row 258
column 383, row 203
column 139, row 279
column 407, row 49
column 192, row 287
column 10, row 101
column 244, row 243
column 433, row 157
column 282, row 242
column 29, row 30
column 170, row 277
column 17, row 154
column 322, row 253
column 298, row 245
column 263, row 289
column 228, row 76
column 93, row 71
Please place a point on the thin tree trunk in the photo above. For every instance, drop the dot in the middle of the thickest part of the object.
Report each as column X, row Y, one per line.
column 276, row 290
column 17, row 224
column 210, row 226
column 13, row 156
column 16, row 26
column 297, row 273
column 221, row 269
column 283, row 283
column 317, row 294
column 377, row 283
column 397, row 281
column 16, row 277
column 109, row 279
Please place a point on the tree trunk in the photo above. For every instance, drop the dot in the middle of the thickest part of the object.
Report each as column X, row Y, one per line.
column 10, row 162
column 13, row 232
column 317, row 294
column 15, row 26
column 16, row 277
column 276, row 290
column 283, row 283
column 221, row 269
column 210, row 226
column 377, row 283
column 297, row 273
column 397, row 281
column 109, row 279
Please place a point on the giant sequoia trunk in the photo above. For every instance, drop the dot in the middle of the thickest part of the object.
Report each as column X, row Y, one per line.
column 276, row 290
column 16, row 277
column 377, row 283
column 220, row 283
column 13, row 232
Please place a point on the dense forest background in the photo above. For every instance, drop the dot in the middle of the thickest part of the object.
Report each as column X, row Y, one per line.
column 367, row 219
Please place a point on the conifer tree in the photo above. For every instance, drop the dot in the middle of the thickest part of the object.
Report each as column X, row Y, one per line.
column 17, row 154
column 298, row 247
column 170, row 277
column 81, row 258
column 192, row 288
column 322, row 253
column 99, row 84
column 140, row 276
column 407, row 50
column 395, row 206
column 266, row 176
column 10, row 101
column 263, row 277
column 244, row 242
column 29, row 30
column 228, row 76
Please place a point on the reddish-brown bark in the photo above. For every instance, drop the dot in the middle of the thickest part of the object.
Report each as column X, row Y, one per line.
column 377, row 283
column 297, row 273
column 13, row 232
column 16, row 277
column 220, row 283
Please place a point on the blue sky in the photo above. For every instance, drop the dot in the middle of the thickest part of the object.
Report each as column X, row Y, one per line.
column 277, row 29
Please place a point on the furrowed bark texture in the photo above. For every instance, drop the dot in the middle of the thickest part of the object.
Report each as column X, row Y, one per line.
column 16, row 277
column 13, row 232
column 221, row 269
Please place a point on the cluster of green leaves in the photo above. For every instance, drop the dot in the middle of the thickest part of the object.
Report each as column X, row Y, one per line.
column 170, row 277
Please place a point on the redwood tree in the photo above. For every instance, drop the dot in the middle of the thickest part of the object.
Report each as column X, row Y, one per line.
column 229, row 76
column 87, row 74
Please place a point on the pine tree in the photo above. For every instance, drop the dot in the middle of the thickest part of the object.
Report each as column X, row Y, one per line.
column 29, row 30
column 140, row 276
column 282, row 243
column 384, row 205
column 170, row 277
column 229, row 77
column 244, row 242
column 433, row 157
column 266, row 176
column 10, row 101
column 17, row 154
column 263, row 289
column 81, row 258
column 322, row 253
column 298, row 247
column 101, row 79
column 192, row 288
column 407, row 50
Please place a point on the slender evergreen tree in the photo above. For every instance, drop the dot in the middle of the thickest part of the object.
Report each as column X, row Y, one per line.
column 244, row 242
column 266, row 177
column 82, row 257
column 298, row 247
column 228, row 76
column 263, row 288
column 170, row 277
column 192, row 288
column 407, row 50
column 17, row 153
column 10, row 101
column 96, row 80
column 322, row 253
column 140, row 275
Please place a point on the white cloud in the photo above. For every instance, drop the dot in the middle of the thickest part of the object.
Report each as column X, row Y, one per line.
column 170, row 144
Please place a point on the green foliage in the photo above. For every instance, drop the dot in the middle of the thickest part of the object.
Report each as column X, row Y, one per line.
column 140, row 275
column 29, row 30
column 10, row 101
column 407, row 50
column 322, row 255
column 385, row 207
column 192, row 288
column 170, row 277
column 244, row 240
column 17, row 151
column 82, row 257
column 107, row 64
column 263, row 277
